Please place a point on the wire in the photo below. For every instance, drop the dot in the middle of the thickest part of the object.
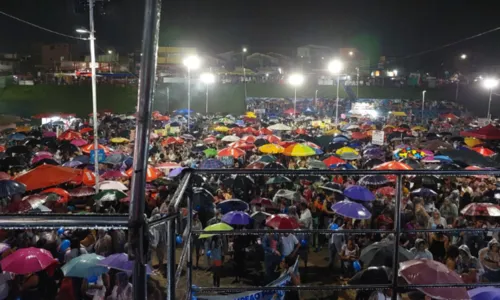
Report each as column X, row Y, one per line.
column 40, row 27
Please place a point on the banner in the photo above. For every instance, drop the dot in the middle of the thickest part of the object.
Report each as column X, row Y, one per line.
column 283, row 280
column 228, row 161
column 378, row 137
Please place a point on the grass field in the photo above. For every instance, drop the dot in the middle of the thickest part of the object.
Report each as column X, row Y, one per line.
column 30, row 100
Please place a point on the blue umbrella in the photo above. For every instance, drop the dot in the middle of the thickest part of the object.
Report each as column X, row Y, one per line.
column 232, row 205
column 485, row 293
column 360, row 193
column 17, row 137
column 236, row 218
column 351, row 210
column 120, row 261
column 184, row 111
column 343, row 167
column 211, row 163
column 340, row 139
column 424, row 192
column 318, row 151
column 11, row 187
column 373, row 180
column 82, row 158
column 115, row 158
column 84, row 266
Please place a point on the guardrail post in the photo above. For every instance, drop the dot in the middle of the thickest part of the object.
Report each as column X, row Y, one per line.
column 397, row 227
column 189, row 248
column 171, row 259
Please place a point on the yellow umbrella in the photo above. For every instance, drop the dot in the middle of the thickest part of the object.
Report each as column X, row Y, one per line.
column 119, row 140
column 345, row 150
column 472, row 142
column 23, row 129
column 221, row 129
column 332, row 131
column 299, row 150
column 271, row 149
column 251, row 114
column 419, row 128
column 399, row 113
column 214, row 227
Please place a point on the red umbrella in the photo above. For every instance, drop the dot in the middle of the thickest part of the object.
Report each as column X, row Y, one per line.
column 424, row 271
column 312, row 145
column 393, row 165
column 333, row 160
column 45, row 176
column 291, row 111
column 234, row 152
column 273, row 139
column 264, row 202
column 250, row 130
column 4, row 176
column 61, row 192
column 27, row 260
column 265, row 131
column 300, row 131
column 85, row 130
column 90, row 147
column 481, row 209
column 151, row 173
column 69, row 135
column 484, row 151
column 386, row 191
column 286, row 144
column 359, row 136
column 249, row 139
column 282, row 221
column 242, row 145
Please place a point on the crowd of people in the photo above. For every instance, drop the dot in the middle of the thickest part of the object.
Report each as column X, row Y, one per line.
column 49, row 169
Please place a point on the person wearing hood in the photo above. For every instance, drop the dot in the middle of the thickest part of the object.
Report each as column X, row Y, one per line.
column 468, row 266
column 420, row 250
column 490, row 260
column 158, row 238
column 449, row 210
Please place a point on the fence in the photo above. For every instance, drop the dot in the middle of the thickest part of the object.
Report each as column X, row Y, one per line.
column 187, row 253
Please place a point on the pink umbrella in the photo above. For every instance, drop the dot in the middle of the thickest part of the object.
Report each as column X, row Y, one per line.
column 79, row 142
column 113, row 174
column 4, row 176
column 41, row 155
column 27, row 260
column 49, row 134
column 425, row 271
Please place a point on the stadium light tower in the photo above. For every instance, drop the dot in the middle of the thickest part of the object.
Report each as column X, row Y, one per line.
column 191, row 63
column 243, row 52
column 335, row 67
column 207, row 79
column 295, row 80
column 490, row 84
column 463, row 56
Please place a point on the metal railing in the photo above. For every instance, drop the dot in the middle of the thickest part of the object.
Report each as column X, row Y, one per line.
column 397, row 231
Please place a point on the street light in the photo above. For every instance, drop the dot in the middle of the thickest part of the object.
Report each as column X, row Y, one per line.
column 423, row 104
column 110, row 51
column 463, row 56
column 243, row 51
column 93, row 65
column 207, row 79
column 490, row 83
column 335, row 67
column 395, row 72
column 295, row 80
column 351, row 53
column 191, row 63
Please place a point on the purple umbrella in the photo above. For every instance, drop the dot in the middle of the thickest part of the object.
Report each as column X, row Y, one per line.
column 360, row 193
column 351, row 210
column 49, row 134
column 4, row 247
column 373, row 180
column 236, row 218
column 485, row 293
column 121, row 262
column 175, row 172
column 424, row 192
column 72, row 164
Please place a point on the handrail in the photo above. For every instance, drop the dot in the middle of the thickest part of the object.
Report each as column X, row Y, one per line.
column 310, row 172
column 90, row 221
column 179, row 192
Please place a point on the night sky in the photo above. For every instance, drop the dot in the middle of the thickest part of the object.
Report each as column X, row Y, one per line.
column 376, row 27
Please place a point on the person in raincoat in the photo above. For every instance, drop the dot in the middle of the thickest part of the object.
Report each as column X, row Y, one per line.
column 468, row 266
column 420, row 250
column 158, row 238
column 490, row 260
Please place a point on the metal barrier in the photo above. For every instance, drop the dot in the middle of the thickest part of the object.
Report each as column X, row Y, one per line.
column 395, row 286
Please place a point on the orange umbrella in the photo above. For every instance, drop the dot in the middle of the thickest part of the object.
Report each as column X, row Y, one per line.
column 162, row 118
column 234, row 152
column 90, row 147
column 393, row 165
column 45, row 176
column 249, row 139
column 151, row 173
column 61, row 192
column 484, row 151
column 70, row 135
column 249, row 130
column 86, row 130
column 88, row 177
column 273, row 139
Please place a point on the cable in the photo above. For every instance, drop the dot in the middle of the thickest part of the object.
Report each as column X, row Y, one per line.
column 40, row 27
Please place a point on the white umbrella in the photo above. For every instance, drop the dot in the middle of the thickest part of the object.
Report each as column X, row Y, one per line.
column 279, row 126
column 112, row 185
column 230, row 138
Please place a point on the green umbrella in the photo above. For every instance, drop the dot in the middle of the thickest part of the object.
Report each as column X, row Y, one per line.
column 84, row 266
column 278, row 179
column 215, row 227
column 267, row 158
column 316, row 164
column 110, row 195
column 210, row 152
column 219, row 136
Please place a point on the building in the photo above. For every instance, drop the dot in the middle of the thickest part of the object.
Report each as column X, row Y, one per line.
column 53, row 54
column 314, row 57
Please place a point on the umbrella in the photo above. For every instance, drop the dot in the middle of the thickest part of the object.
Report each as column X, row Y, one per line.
column 469, row 157
column 256, row 165
column 360, row 193
column 264, row 202
column 316, row 164
column 381, row 253
column 84, row 266
column 299, row 150
column 17, row 136
column 369, row 164
column 267, row 159
column 279, row 127
column 344, row 150
column 351, row 210
column 230, row 138
column 287, row 194
column 278, row 180
column 424, row 192
column 424, row 271
column 120, row 261
column 27, row 260
column 211, row 163
column 232, row 205
column 151, row 173
column 83, row 191
column 349, row 156
column 485, row 293
column 110, row 195
column 392, row 165
column 372, row 275
column 411, row 162
column 210, row 152
column 282, row 221
column 386, row 191
column 69, row 135
column 215, row 227
column 46, row 176
column 79, row 142
column 333, row 160
column 175, row 172
column 333, row 187
column 271, row 149
column 236, row 218
column 373, row 180
column 72, row 164
column 4, row 247
column 112, row 185
column 167, row 166
column 115, row 158
column 19, row 150
column 11, row 187
column 62, row 193
column 275, row 166
column 484, row 151
column 113, row 174
column 481, row 209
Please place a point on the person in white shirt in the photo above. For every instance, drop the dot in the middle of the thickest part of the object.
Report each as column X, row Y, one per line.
column 290, row 245
column 305, row 216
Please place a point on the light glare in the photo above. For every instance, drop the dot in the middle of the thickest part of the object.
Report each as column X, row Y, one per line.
column 335, row 66
column 490, row 83
column 296, row 79
column 192, row 62
column 207, row 78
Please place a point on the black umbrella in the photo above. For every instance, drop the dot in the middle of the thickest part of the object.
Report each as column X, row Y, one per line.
column 431, row 136
column 381, row 253
column 323, row 140
column 449, row 167
column 67, row 147
column 35, row 133
column 335, row 146
column 275, row 166
column 49, row 142
column 426, row 181
column 45, row 161
column 11, row 187
column 9, row 163
column 18, row 150
column 412, row 163
column 372, row 275
column 369, row 164
column 470, row 157
column 261, row 142
column 32, row 142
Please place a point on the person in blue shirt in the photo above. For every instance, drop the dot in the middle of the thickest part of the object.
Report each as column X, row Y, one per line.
column 272, row 255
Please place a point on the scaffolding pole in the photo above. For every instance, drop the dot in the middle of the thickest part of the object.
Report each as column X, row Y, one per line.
column 138, row 244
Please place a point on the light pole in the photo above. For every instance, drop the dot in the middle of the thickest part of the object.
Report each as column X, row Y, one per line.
column 490, row 83
column 191, row 63
column 335, row 67
column 423, row 104
column 357, row 83
column 243, row 51
column 295, row 80
column 93, row 63
column 456, row 91
column 316, row 100
column 207, row 79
